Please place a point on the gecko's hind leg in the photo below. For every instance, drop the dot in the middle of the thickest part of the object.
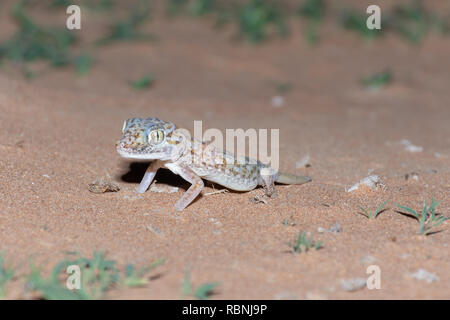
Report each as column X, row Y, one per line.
column 148, row 176
column 268, row 182
column 193, row 191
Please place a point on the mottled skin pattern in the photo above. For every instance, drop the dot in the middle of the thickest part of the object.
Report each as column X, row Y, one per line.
column 154, row 139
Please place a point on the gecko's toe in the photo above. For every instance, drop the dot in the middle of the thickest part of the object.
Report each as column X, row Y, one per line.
column 140, row 190
column 179, row 207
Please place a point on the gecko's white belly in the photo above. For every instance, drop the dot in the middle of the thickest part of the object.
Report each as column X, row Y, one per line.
column 232, row 182
column 229, row 180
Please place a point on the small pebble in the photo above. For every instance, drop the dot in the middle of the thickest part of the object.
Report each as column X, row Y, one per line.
column 408, row 146
column 134, row 197
column 440, row 155
column 102, row 185
column 368, row 259
column 371, row 181
column 353, row 284
column 277, row 101
column 335, row 228
column 303, row 162
column 154, row 229
column 424, row 275
column 412, row 175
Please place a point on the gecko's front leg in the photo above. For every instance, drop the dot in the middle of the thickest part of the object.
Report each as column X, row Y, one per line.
column 149, row 176
column 193, row 191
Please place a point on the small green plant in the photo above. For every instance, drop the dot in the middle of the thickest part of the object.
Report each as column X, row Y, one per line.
column 128, row 29
column 83, row 64
column 288, row 222
column 284, row 87
column 99, row 5
column 175, row 7
column 255, row 18
column 202, row 7
column 98, row 275
column 136, row 278
column 302, row 244
column 378, row 80
column 412, row 21
column 313, row 11
column 33, row 42
column 143, row 82
column 51, row 289
column 441, row 24
column 193, row 7
column 351, row 20
column 203, row 292
column 6, row 275
column 373, row 215
column 60, row 3
column 428, row 219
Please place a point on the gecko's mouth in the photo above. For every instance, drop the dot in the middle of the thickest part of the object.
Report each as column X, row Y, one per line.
column 136, row 155
column 132, row 155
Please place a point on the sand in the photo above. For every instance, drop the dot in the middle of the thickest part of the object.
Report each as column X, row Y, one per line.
column 58, row 133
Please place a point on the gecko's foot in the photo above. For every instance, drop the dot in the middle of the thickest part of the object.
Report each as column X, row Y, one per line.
column 140, row 190
column 179, row 206
column 274, row 195
column 270, row 192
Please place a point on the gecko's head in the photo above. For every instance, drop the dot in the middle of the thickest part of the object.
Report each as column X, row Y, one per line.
column 145, row 138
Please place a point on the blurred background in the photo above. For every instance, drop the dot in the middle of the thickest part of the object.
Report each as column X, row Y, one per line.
column 34, row 38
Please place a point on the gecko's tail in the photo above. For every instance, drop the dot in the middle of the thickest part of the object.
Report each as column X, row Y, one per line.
column 286, row 178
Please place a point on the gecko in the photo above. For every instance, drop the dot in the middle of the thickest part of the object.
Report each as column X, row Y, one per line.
column 167, row 146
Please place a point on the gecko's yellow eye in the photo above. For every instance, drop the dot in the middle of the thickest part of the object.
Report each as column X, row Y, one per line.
column 156, row 136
